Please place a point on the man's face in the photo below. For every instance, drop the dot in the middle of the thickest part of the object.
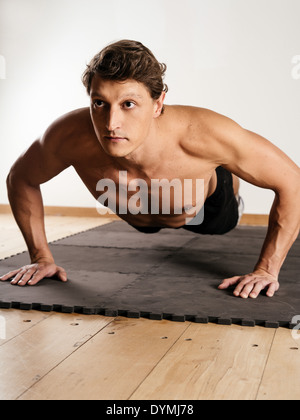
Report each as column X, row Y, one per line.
column 122, row 114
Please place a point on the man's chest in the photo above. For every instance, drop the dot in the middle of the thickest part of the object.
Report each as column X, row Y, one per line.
column 169, row 188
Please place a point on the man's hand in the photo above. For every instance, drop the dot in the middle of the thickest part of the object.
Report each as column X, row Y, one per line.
column 252, row 284
column 33, row 273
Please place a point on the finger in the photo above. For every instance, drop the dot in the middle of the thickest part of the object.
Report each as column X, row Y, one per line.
column 62, row 275
column 229, row 282
column 26, row 277
column 253, row 288
column 17, row 278
column 9, row 275
column 36, row 278
column 246, row 290
column 272, row 289
column 257, row 289
column 41, row 274
column 239, row 288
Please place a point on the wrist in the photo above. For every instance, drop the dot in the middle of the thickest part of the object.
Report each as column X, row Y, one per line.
column 42, row 258
column 261, row 267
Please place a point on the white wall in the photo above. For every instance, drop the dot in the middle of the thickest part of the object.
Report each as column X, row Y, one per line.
column 237, row 57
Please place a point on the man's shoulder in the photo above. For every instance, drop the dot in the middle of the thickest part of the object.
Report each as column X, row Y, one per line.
column 202, row 132
column 77, row 120
column 66, row 135
column 69, row 127
column 193, row 117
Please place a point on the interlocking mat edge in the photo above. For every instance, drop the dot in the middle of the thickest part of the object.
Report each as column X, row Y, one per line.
column 114, row 270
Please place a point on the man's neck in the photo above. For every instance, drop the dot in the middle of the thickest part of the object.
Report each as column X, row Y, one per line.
column 146, row 156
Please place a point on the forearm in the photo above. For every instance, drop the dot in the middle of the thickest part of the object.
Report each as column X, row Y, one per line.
column 27, row 206
column 283, row 230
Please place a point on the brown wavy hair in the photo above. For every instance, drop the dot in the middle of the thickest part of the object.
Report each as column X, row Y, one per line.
column 125, row 60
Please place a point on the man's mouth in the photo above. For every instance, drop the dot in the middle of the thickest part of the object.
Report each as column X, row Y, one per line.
column 115, row 139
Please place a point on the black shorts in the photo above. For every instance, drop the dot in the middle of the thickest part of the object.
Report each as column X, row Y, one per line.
column 220, row 210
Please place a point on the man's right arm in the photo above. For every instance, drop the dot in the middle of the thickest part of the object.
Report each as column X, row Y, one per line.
column 41, row 162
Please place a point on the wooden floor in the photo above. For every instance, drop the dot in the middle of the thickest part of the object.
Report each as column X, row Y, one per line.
column 52, row 356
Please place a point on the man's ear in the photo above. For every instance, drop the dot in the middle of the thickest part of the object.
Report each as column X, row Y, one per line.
column 159, row 103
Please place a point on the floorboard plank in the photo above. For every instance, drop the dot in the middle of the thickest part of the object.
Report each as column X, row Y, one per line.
column 210, row 362
column 281, row 380
column 16, row 322
column 112, row 364
column 29, row 356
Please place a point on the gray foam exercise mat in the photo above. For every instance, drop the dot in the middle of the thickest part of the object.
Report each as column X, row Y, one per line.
column 115, row 270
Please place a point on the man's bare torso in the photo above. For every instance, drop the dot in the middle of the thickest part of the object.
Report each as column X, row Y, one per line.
column 171, row 159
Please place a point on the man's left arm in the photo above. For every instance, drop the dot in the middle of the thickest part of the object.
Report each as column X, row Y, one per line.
column 257, row 161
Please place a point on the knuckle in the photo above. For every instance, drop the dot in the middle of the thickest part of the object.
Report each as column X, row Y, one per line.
column 245, row 281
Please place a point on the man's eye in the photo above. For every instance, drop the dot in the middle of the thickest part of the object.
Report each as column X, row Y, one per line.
column 98, row 103
column 129, row 105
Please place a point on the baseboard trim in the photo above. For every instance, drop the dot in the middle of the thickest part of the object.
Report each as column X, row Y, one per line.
column 247, row 219
column 64, row 211
column 5, row 209
column 254, row 220
column 76, row 212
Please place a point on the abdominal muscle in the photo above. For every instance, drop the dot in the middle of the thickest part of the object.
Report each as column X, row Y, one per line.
column 172, row 220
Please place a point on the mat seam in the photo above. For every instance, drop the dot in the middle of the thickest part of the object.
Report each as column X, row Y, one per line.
column 146, row 273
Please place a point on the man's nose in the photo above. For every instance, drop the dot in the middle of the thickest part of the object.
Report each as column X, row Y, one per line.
column 113, row 121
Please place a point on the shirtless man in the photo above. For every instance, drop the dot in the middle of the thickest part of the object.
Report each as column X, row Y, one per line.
column 128, row 128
